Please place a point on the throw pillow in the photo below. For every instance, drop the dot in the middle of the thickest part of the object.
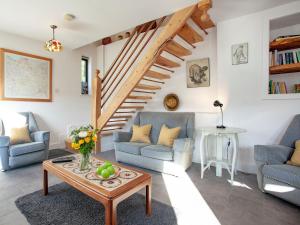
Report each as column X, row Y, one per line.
column 141, row 133
column 19, row 135
column 167, row 135
column 295, row 159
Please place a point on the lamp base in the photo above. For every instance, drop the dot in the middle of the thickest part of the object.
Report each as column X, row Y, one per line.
column 221, row 127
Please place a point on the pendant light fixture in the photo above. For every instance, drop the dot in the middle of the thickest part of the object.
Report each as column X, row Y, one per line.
column 53, row 45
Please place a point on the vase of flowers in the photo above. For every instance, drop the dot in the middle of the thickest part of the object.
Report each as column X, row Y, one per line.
column 84, row 140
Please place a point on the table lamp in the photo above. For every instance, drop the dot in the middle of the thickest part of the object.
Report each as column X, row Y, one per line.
column 217, row 103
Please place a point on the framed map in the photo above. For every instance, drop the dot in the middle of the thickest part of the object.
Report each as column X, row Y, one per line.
column 25, row 77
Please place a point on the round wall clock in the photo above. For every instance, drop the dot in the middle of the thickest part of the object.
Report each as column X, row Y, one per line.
column 171, row 102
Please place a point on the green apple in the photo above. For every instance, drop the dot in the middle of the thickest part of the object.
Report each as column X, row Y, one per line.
column 111, row 170
column 107, row 164
column 105, row 174
column 99, row 170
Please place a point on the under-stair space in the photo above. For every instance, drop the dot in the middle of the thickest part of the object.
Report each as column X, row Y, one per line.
column 147, row 60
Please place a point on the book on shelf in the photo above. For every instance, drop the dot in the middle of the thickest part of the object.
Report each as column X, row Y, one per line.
column 284, row 57
column 277, row 87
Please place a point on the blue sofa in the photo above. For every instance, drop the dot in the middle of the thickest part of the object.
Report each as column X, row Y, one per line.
column 13, row 156
column 160, row 158
column 274, row 176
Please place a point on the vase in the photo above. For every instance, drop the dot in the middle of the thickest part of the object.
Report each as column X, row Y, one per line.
column 85, row 161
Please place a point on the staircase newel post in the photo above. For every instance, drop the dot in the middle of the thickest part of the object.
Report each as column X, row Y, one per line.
column 96, row 105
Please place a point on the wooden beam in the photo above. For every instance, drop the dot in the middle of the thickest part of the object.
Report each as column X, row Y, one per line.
column 174, row 24
column 96, row 105
column 201, row 17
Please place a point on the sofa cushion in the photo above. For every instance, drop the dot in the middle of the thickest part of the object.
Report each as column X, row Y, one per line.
column 284, row 173
column 158, row 152
column 141, row 134
column 168, row 135
column 130, row 147
column 21, row 149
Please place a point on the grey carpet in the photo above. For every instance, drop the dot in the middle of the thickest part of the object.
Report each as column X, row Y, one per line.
column 54, row 153
column 65, row 205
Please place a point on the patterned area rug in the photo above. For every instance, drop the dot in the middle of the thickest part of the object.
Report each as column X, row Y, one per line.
column 66, row 206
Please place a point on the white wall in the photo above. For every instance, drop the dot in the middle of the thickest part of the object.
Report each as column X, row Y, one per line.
column 68, row 106
column 240, row 86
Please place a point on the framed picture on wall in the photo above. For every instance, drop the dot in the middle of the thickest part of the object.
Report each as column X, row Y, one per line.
column 198, row 73
column 25, row 77
column 239, row 53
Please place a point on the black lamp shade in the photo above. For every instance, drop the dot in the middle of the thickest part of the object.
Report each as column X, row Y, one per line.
column 217, row 103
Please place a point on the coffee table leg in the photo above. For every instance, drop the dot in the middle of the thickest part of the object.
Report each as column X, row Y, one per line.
column 110, row 213
column 45, row 183
column 148, row 200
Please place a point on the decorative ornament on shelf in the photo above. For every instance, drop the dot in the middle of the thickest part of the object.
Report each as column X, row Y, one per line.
column 53, row 45
column 171, row 102
column 217, row 103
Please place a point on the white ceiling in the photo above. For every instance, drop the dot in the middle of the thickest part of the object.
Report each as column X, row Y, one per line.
column 96, row 19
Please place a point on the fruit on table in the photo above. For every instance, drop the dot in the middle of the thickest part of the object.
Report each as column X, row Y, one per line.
column 107, row 164
column 99, row 170
column 111, row 170
column 105, row 174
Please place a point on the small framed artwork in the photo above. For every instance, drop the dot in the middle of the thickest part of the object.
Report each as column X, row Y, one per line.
column 198, row 73
column 25, row 77
column 239, row 53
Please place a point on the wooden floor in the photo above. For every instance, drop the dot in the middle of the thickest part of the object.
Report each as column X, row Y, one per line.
column 241, row 204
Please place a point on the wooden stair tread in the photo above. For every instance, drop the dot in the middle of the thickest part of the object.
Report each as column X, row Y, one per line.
column 147, row 87
column 117, row 120
column 139, row 97
column 176, row 49
column 160, row 60
column 115, row 124
column 132, row 107
column 121, row 117
column 196, row 17
column 106, row 133
column 110, row 128
column 189, row 34
column 157, row 75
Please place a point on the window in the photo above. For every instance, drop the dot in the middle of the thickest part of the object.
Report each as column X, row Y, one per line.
column 84, row 75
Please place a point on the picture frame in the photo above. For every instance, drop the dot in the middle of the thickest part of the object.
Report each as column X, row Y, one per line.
column 239, row 53
column 25, row 77
column 198, row 73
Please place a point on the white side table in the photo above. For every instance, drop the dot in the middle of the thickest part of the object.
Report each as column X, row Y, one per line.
column 218, row 160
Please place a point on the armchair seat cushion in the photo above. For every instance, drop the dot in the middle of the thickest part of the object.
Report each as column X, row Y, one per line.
column 283, row 173
column 21, row 149
column 158, row 152
column 130, row 147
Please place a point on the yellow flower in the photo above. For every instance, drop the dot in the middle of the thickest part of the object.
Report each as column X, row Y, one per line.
column 76, row 146
column 94, row 138
column 90, row 133
column 81, row 141
column 87, row 139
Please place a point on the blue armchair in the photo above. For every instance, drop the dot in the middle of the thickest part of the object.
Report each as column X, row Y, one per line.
column 13, row 156
column 274, row 176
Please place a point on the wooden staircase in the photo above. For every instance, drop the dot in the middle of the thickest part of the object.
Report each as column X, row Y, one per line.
column 124, row 89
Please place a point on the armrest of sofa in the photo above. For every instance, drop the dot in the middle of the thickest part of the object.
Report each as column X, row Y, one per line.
column 183, row 152
column 121, row 136
column 4, row 141
column 272, row 154
column 4, row 146
column 41, row 136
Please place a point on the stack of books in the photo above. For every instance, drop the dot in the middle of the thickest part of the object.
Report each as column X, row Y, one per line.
column 277, row 87
column 284, row 57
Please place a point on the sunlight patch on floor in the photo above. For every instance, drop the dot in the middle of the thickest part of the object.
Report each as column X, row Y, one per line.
column 189, row 205
column 278, row 188
column 239, row 184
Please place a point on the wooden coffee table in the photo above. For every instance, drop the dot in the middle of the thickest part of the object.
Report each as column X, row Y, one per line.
column 110, row 193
